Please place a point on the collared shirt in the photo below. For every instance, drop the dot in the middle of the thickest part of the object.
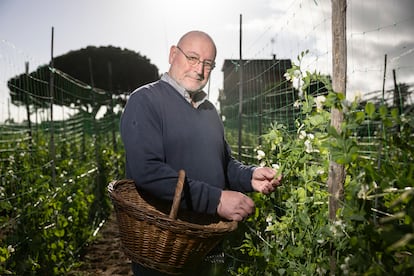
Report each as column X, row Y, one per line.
column 195, row 99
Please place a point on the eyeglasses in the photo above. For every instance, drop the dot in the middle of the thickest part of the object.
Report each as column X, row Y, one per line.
column 194, row 60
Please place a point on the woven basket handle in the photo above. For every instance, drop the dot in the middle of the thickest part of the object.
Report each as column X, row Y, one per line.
column 177, row 195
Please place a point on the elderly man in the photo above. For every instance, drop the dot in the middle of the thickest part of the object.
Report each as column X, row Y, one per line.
column 169, row 125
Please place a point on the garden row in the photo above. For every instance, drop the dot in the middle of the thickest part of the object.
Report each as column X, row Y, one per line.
column 52, row 205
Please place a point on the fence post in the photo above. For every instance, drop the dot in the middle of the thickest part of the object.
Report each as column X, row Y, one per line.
column 111, row 107
column 29, row 122
column 384, row 78
column 94, row 122
column 240, row 91
column 398, row 103
column 52, row 130
column 336, row 177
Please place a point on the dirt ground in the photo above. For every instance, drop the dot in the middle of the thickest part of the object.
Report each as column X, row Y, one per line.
column 104, row 256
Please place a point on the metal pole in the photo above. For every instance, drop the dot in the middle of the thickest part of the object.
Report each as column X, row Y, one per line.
column 240, row 90
column 111, row 107
column 95, row 129
column 52, row 130
column 383, row 80
column 29, row 122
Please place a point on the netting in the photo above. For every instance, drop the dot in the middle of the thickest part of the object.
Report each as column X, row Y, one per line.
column 45, row 108
column 54, row 148
column 377, row 71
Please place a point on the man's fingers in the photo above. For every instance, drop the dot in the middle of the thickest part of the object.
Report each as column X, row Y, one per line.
column 235, row 205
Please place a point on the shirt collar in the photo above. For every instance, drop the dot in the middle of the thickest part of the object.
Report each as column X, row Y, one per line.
column 197, row 98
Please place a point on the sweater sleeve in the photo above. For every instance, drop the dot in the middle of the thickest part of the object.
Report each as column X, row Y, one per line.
column 239, row 175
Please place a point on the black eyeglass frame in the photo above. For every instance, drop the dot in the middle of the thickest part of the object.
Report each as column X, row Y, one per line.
column 193, row 61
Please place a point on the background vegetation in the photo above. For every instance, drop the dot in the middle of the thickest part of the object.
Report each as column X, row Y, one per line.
column 291, row 233
column 54, row 173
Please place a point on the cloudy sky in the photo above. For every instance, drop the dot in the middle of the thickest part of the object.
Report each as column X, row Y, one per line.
column 150, row 27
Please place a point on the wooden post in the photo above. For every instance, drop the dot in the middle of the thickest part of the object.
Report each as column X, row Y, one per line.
column 336, row 177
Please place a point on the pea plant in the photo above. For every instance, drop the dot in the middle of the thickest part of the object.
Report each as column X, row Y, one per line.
column 45, row 226
column 290, row 232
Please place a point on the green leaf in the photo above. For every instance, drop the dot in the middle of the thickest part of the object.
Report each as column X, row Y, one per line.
column 59, row 232
column 359, row 116
column 301, row 195
column 370, row 110
column 332, row 131
column 383, row 111
column 317, row 120
column 395, row 113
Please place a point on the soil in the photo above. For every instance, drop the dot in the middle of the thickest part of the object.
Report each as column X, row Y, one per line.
column 104, row 257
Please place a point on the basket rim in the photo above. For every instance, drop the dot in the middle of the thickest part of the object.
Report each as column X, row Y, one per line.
column 161, row 219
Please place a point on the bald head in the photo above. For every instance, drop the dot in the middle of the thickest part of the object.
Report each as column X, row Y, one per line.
column 192, row 60
column 197, row 35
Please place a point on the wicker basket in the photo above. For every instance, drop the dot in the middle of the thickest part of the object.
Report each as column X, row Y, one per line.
column 168, row 243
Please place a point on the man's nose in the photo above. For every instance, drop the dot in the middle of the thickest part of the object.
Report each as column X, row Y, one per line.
column 199, row 68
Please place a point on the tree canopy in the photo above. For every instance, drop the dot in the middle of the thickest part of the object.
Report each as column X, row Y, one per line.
column 92, row 76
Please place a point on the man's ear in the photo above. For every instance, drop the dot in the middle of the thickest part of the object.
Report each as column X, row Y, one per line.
column 173, row 52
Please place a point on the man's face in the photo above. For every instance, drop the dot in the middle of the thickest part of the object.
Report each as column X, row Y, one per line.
column 191, row 62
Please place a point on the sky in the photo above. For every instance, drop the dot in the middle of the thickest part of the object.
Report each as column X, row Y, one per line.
column 150, row 27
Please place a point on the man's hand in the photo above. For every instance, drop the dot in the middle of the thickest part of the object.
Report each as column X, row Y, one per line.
column 234, row 205
column 264, row 181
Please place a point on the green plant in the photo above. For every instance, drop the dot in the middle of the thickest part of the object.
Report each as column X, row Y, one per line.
column 46, row 224
column 291, row 234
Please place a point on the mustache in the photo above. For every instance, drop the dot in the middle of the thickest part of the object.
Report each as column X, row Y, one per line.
column 199, row 77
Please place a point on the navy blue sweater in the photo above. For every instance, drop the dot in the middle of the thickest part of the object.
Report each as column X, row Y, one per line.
column 162, row 133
